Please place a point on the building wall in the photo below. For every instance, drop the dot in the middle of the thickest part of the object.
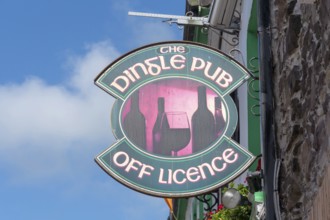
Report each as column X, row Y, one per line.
column 320, row 207
column 301, row 56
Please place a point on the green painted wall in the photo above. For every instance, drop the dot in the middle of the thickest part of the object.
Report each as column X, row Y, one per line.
column 253, row 95
column 253, row 102
column 201, row 35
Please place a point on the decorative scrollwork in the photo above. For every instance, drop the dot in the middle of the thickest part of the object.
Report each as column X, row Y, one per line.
column 252, row 67
column 234, row 41
column 253, row 111
column 210, row 201
column 253, row 89
column 238, row 51
column 252, row 71
column 253, row 85
column 237, row 15
column 236, row 20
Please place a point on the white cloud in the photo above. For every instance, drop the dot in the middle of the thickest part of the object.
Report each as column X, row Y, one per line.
column 44, row 127
column 49, row 133
column 41, row 123
column 143, row 30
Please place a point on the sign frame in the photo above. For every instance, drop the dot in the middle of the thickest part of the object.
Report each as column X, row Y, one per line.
column 118, row 157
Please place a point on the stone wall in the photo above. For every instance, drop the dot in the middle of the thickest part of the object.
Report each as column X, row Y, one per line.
column 301, row 57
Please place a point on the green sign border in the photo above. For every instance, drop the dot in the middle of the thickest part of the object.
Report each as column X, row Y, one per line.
column 150, row 185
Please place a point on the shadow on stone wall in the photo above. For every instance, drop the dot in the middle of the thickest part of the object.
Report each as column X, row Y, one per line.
column 301, row 56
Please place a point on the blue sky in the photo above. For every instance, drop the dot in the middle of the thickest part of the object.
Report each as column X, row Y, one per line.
column 53, row 119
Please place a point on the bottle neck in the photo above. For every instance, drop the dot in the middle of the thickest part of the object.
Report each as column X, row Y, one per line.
column 202, row 97
column 161, row 104
column 217, row 103
column 135, row 101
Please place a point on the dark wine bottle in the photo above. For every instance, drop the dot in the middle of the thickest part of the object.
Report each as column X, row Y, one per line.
column 203, row 123
column 160, row 130
column 135, row 123
column 219, row 120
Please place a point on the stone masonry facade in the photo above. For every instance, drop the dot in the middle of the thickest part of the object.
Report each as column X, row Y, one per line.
column 301, row 79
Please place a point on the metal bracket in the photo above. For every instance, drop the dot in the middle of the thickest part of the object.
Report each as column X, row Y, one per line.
column 177, row 19
column 210, row 201
column 189, row 19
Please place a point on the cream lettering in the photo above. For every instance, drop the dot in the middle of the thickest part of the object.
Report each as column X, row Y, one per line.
column 122, row 159
column 200, row 172
column 154, row 66
column 144, row 170
column 121, row 164
column 177, row 176
column 220, row 76
column 224, row 80
column 172, row 49
column 178, row 59
column 191, row 172
column 228, row 153
column 153, row 69
column 214, row 165
column 197, row 64
column 121, row 83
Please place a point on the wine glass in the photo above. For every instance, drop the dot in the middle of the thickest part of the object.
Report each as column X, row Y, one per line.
column 177, row 135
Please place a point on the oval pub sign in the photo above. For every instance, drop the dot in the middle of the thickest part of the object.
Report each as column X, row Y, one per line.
column 173, row 119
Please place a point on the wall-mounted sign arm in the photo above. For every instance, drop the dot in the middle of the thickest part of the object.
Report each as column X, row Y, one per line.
column 177, row 19
column 173, row 119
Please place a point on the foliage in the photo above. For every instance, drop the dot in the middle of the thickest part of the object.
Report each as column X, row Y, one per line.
column 241, row 212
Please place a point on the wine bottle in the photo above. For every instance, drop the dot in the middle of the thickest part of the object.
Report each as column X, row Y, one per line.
column 135, row 123
column 203, row 123
column 160, row 130
column 219, row 120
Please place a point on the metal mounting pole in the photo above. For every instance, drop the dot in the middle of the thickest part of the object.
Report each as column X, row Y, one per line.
column 267, row 108
column 180, row 20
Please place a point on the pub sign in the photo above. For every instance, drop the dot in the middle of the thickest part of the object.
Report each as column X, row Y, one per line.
column 173, row 119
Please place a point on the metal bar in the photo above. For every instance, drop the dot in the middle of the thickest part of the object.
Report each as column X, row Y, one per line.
column 267, row 109
column 184, row 20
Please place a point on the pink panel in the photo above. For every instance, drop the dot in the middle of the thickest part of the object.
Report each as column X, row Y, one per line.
column 180, row 96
